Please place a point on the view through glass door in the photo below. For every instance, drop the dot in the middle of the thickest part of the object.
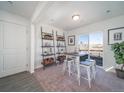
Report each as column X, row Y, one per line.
column 92, row 43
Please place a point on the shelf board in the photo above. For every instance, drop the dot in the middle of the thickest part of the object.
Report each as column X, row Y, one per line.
column 60, row 53
column 47, row 54
column 47, row 39
column 60, row 35
column 47, row 46
column 60, row 46
column 51, row 34
column 61, row 40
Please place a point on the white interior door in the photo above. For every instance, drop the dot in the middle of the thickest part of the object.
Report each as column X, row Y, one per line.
column 13, row 49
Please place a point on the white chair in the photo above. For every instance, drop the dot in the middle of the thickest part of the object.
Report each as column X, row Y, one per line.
column 89, row 65
column 65, row 65
column 70, row 64
column 90, row 68
column 93, row 64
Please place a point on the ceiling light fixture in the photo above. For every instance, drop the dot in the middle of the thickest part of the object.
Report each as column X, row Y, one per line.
column 108, row 11
column 10, row 2
column 75, row 17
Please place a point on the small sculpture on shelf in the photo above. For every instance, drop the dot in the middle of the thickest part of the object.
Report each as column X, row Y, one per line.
column 50, row 51
column 61, row 50
column 45, row 53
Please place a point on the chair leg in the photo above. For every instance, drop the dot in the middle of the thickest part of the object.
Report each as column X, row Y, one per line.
column 89, row 78
column 69, row 68
column 79, row 81
column 64, row 66
column 94, row 71
column 78, row 74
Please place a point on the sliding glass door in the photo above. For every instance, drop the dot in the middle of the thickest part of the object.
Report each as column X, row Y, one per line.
column 84, row 43
column 84, row 46
column 96, row 47
column 93, row 44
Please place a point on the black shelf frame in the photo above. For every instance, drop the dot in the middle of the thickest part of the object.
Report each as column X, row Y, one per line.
column 47, row 55
column 60, row 53
column 60, row 40
column 48, row 46
column 60, row 46
column 47, row 39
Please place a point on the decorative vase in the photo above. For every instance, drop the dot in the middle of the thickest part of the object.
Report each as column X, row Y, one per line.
column 120, row 73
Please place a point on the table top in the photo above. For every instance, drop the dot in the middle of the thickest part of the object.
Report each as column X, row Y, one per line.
column 87, row 63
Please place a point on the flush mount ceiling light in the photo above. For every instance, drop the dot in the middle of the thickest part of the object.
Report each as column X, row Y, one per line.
column 108, row 11
column 75, row 17
column 10, row 2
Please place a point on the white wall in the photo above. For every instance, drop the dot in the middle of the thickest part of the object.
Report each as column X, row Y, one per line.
column 19, row 20
column 101, row 26
column 38, row 44
column 13, row 18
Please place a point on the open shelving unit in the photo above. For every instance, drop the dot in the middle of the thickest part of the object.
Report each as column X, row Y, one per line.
column 48, row 48
column 61, row 47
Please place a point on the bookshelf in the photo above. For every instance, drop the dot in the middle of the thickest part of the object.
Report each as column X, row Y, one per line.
column 48, row 48
column 61, row 47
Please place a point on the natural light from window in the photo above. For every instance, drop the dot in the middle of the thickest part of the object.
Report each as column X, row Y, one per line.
column 92, row 43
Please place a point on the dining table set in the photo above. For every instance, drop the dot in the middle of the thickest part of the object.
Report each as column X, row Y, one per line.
column 82, row 69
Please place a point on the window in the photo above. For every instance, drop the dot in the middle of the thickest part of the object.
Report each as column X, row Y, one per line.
column 84, row 43
column 93, row 44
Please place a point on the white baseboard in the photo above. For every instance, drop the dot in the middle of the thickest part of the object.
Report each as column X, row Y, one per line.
column 39, row 66
column 111, row 69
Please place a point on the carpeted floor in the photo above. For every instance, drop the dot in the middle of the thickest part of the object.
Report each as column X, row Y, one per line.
column 21, row 82
column 53, row 79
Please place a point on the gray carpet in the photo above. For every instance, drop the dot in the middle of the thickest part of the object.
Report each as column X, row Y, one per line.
column 54, row 80
column 21, row 82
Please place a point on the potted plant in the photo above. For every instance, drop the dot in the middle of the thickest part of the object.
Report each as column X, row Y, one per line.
column 118, row 49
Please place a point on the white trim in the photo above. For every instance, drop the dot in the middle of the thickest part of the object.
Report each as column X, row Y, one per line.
column 109, row 68
column 39, row 67
column 32, row 50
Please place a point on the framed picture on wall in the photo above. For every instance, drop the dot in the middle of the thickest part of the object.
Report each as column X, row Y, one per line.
column 115, row 35
column 71, row 40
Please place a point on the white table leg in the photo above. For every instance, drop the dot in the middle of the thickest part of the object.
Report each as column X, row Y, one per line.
column 78, row 74
column 94, row 70
column 89, row 78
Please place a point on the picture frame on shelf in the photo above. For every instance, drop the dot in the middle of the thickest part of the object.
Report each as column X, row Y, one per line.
column 71, row 40
column 115, row 35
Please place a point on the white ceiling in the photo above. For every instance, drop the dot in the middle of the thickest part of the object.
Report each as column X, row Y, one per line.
column 61, row 13
column 22, row 8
